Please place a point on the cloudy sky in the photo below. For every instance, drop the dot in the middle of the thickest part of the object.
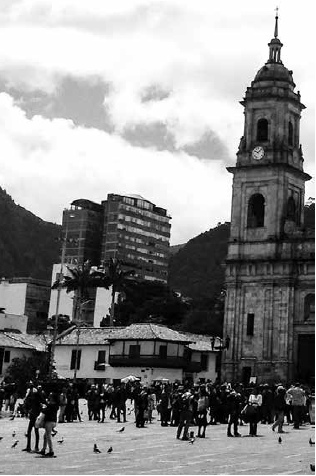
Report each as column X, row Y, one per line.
column 136, row 96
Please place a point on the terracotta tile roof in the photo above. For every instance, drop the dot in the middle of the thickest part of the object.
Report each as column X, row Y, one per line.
column 90, row 335
column 7, row 341
column 33, row 341
column 202, row 342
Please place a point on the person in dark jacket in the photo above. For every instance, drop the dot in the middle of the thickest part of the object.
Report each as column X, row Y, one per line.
column 50, row 410
column 141, row 401
column 280, row 407
column 234, row 402
column 33, row 402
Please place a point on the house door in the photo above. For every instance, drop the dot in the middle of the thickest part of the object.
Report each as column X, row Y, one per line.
column 246, row 374
column 305, row 367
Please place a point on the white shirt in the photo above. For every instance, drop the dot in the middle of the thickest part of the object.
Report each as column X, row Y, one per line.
column 255, row 400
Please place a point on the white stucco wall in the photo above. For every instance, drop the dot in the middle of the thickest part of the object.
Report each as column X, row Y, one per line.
column 13, row 321
column 89, row 355
column 102, row 305
column 12, row 297
column 210, row 373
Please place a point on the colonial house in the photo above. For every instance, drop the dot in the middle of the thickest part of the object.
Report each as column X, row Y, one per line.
column 148, row 351
column 15, row 345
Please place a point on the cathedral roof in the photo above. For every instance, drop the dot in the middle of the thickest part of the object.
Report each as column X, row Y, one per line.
column 274, row 72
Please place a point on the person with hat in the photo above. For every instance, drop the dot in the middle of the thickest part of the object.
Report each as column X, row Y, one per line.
column 234, row 402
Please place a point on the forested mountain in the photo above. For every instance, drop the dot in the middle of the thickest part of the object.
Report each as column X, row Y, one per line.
column 27, row 243
column 197, row 270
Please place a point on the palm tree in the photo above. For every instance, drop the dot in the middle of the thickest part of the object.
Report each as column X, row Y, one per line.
column 79, row 281
column 114, row 276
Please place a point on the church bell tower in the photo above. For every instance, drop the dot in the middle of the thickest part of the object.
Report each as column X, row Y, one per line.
column 263, row 273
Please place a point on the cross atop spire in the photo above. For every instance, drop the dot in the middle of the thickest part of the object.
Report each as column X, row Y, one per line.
column 276, row 22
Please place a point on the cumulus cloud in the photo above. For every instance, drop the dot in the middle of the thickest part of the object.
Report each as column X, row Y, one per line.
column 139, row 96
column 49, row 163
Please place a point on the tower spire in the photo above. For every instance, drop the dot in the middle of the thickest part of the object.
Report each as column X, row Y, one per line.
column 276, row 22
column 275, row 44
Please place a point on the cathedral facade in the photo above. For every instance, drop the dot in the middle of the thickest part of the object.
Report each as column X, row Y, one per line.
column 270, row 300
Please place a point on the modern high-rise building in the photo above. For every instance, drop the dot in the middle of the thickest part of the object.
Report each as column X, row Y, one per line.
column 137, row 232
column 127, row 227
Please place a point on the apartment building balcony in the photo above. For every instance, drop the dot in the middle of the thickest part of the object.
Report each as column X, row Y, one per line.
column 147, row 361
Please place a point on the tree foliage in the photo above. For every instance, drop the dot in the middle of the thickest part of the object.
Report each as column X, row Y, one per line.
column 23, row 369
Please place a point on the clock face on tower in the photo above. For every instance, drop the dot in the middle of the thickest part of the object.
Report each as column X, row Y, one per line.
column 258, row 153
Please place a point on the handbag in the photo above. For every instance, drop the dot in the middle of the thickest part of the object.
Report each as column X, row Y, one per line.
column 40, row 421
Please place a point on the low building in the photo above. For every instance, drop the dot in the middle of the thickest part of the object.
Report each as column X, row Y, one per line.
column 16, row 345
column 26, row 296
column 13, row 322
column 147, row 351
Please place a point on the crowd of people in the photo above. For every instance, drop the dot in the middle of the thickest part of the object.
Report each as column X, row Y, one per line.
column 177, row 405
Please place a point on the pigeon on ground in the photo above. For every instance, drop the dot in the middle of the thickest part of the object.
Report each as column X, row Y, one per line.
column 192, row 440
column 12, row 417
column 15, row 443
column 311, row 442
column 121, row 430
column 13, row 434
column 96, row 449
column 54, row 433
column 280, row 439
column 312, row 467
column 26, row 435
column 1, row 438
column 110, row 449
column 60, row 441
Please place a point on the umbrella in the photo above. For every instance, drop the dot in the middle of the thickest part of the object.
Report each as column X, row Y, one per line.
column 130, row 378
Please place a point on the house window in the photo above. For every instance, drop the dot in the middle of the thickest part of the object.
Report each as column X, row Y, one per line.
column 73, row 359
column 101, row 356
column 204, row 361
column 290, row 133
column 309, row 307
column 134, row 351
column 250, row 324
column 262, row 129
column 163, row 351
column 6, row 357
column 256, row 205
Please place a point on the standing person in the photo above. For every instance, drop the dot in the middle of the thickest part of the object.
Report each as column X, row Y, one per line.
column 201, row 417
column 50, row 420
column 298, row 402
column 62, row 405
column 164, row 407
column 70, row 404
column 121, row 397
column 76, row 411
column 267, row 404
column 186, row 414
column 91, row 396
column 175, row 404
column 234, row 402
column 33, row 404
column 141, row 403
column 279, row 406
column 151, row 403
column 255, row 400
column 103, row 399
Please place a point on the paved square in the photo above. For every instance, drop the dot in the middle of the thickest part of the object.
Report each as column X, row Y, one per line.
column 155, row 450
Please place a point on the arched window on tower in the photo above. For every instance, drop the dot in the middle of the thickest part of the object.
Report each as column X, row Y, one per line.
column 291, row 209
column 291, row 135
column 262, row 129
column 255, row 218
column 309, row 307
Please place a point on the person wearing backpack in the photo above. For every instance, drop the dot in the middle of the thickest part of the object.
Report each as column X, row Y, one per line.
column 202, row 406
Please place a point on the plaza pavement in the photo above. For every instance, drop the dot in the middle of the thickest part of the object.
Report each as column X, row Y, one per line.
column 155, row 450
